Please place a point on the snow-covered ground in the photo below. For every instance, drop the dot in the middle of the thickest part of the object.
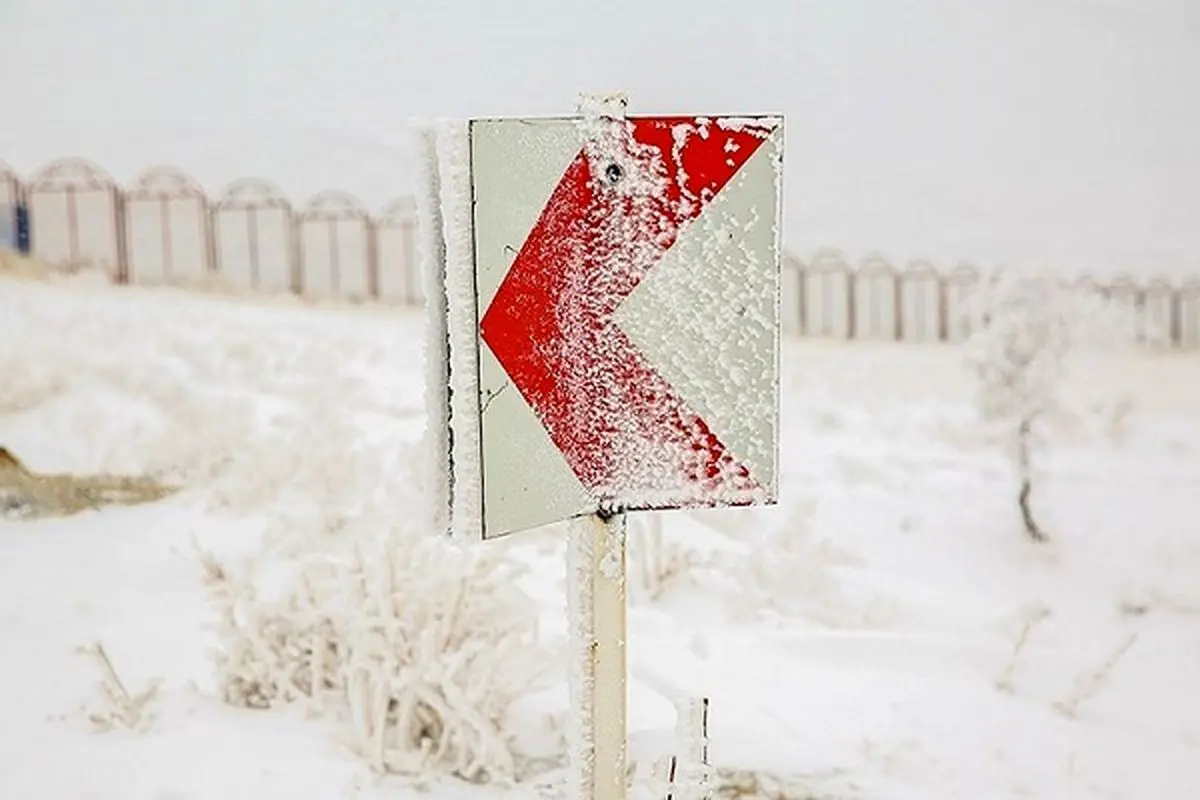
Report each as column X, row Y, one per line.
column 859, row 638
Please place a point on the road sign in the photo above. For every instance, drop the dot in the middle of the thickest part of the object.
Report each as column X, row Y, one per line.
column 627, row 292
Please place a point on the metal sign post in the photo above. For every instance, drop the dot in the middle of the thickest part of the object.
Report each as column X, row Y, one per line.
column 596, row 599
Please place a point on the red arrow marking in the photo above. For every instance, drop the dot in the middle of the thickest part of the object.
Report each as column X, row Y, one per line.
column 619, row 207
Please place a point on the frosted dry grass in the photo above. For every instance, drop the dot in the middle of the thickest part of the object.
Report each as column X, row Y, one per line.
column 418, row 645
column 115, row 707
column 413, row 647
column 35, row 494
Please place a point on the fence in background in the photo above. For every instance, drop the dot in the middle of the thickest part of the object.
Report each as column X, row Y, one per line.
column 828, row 296
column 165, row 229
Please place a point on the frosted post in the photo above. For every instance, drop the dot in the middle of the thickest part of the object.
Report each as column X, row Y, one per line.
column 596, row 603
column 455, row 199
column 692, row 773
column 431, row 250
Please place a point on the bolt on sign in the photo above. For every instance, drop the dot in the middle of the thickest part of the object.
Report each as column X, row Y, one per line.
column 611, row 290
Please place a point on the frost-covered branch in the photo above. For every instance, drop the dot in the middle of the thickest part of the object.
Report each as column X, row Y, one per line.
column 1090, row 684
column 1032, row 618
column 119, row 708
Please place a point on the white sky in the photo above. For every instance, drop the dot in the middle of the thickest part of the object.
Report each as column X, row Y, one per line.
column 1025, row 131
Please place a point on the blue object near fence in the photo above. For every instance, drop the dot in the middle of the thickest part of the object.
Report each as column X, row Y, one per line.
column 14, row 228
column 21, row 222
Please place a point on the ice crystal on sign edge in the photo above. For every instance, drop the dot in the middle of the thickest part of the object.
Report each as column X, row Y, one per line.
column 776, row 144
column 431, row 254
column 454, row 172
column 757, row 126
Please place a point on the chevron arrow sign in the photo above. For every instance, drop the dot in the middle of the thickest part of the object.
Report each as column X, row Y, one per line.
column 625, row 276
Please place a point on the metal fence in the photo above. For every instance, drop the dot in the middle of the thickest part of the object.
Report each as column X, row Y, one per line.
column 164, row 228
column 828, row 296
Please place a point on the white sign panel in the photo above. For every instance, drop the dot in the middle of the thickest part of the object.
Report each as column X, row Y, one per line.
column 626, row 294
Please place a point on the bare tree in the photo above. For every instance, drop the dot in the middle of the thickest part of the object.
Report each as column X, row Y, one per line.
column 1019, row 360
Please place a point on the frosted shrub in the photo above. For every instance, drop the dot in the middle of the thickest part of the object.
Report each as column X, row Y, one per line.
column 417, row 644
column 1020, row 358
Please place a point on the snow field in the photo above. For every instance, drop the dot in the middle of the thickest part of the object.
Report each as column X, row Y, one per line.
column 859, row 641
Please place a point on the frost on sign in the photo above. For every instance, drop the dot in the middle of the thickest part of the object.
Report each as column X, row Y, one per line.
column 626, row 289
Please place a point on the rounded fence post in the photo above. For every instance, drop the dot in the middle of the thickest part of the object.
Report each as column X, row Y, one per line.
column 876, row 277
column 334, row 235
column 830, row 273
column 166, row 227
column 265, row 240
column 920, row 284
column 75, row 217
column 398, row 273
